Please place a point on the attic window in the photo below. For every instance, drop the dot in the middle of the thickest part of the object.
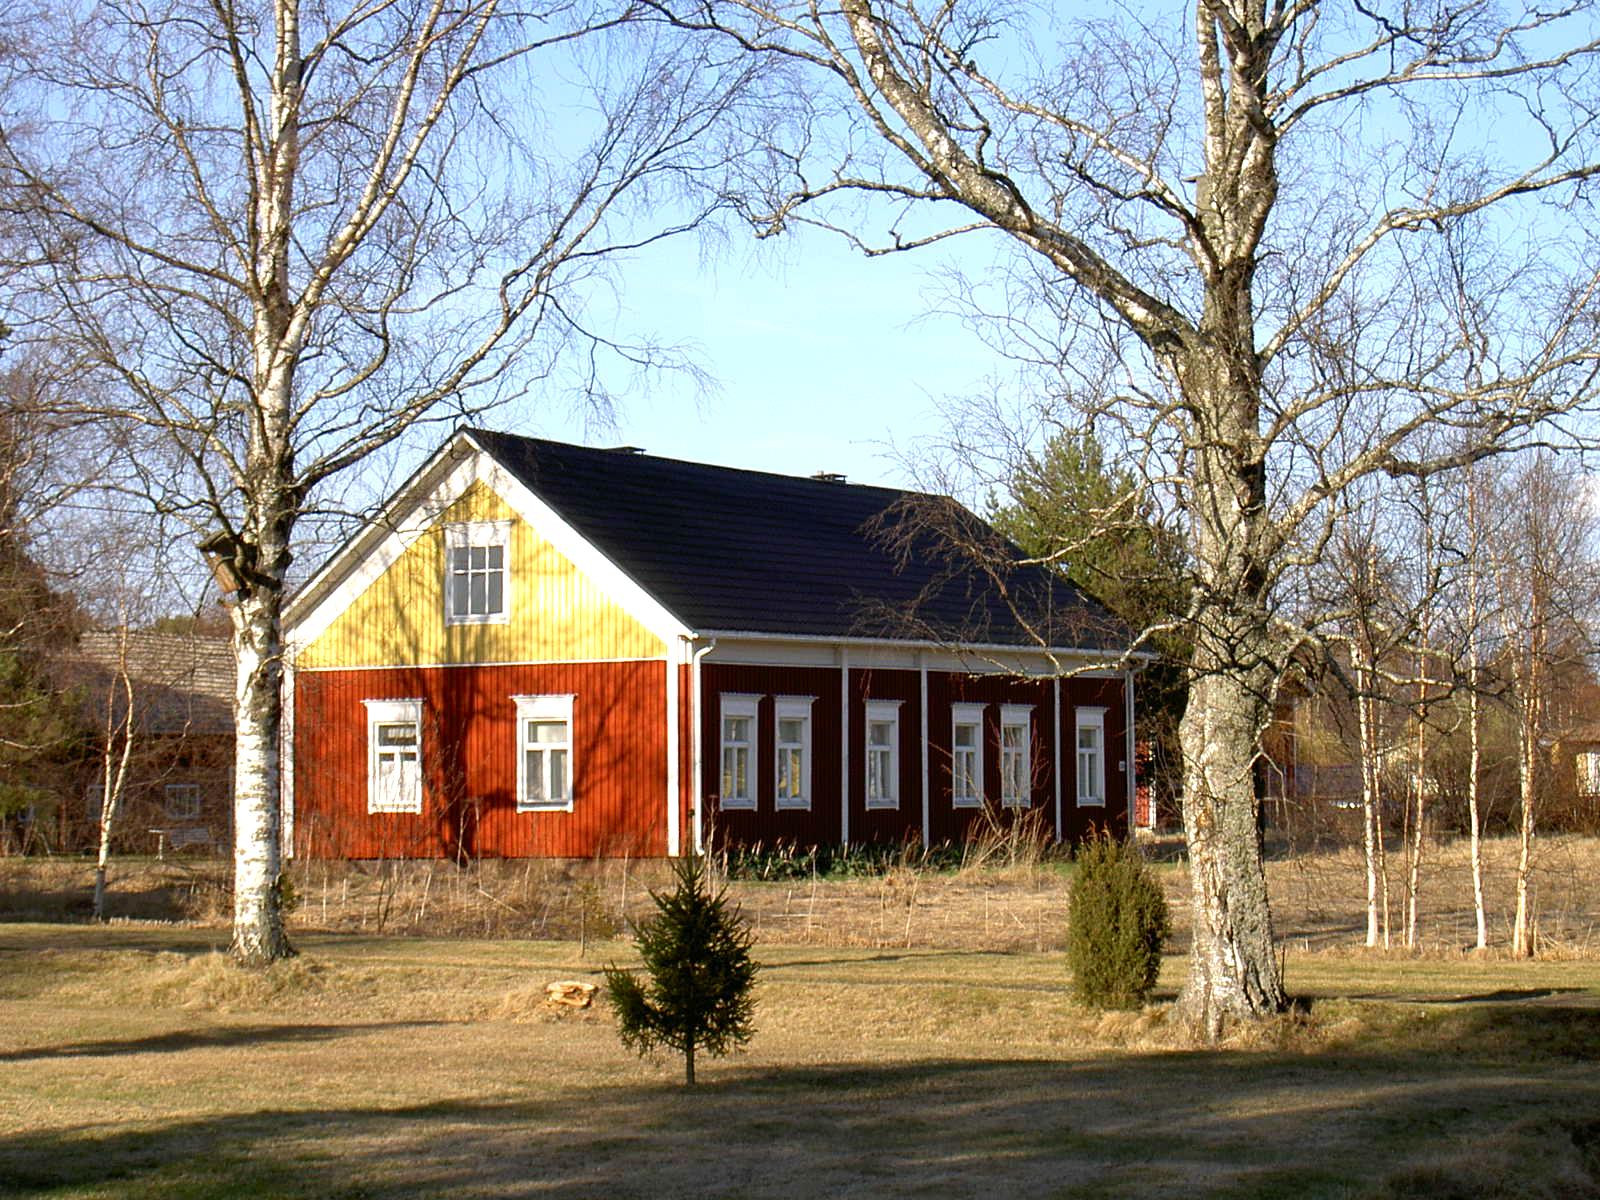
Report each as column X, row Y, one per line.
column 477, row 573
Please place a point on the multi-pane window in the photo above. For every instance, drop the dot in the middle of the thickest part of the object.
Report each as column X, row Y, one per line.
column 883, row 754
column 1016, row 766
column 793, row 743
column 966, row 755
column 477, row 574
column 182, row 801
column 738, row 751
column 1091, row 756
column 394, row 756
column 1588, row 764
column 544, row 752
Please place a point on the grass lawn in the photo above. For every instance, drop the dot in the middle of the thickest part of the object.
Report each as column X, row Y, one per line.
column 136, row 1063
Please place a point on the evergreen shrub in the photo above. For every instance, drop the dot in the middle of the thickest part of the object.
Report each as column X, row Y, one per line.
column 1117, row 924
column 697, row 991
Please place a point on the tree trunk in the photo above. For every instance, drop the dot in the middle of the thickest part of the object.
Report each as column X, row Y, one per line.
column 688, row 1065
column 1234, row 973
column 1528, row 781
column 1420, row 814
column 114, row 780
column 1366, row 747
column 1474, row 767
column 258, row 934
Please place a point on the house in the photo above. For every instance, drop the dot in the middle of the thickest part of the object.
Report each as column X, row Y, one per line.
column 546, row 649
column 179, row 690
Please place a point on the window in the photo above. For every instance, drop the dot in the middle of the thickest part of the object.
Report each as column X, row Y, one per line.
column 794, row 751
column 477, row 577
column 544, row 753
column 1588, row 772
column 394, row 756
column 883, row 754
column 1091, row 756
column 966, row 755
column 1016, row 757
column 738, row 751
column 183, row 801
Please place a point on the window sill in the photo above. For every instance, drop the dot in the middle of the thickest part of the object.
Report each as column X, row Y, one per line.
column 524, row 807
column 389, row 812
column 486, row 619
column 973, row 802
column 793, row 805
column 1091, row 802
column 883, row 805
column 736, row 806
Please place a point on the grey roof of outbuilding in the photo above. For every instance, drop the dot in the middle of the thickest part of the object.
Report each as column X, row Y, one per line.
column 729, row 550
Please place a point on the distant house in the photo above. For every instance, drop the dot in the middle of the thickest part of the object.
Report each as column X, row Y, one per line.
column 179, row 786
column 545, row 649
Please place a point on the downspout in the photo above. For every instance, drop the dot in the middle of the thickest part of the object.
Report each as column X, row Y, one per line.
column 1130, row 770
column 697, row 742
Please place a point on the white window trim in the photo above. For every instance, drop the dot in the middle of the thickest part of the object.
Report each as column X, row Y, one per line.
column 788, row 708
column 881, row 711
column 966, row 714
column 478, row 533
column 544, row 708
column 392, row 712
column 1012, row 715
column 736, row 704
column 1090, row 718
column 191, row 808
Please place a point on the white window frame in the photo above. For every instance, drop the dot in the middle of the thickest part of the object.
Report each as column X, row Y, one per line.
column 182, row 801
column 733, row 704
column 544, row 710
column 792, row 708
column 882, row 712
column 1013, row 716
column 966, row 714
column 381, row 713
column 466, row 535
column 1089, row 718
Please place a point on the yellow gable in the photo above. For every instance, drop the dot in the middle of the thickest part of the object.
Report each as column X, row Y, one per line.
column 556, row 613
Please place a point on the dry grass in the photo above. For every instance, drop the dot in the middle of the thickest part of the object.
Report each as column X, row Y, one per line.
column 137, row 1062
column 1007, row 895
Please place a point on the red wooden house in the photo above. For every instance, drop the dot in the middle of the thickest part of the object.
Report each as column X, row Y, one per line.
column 544, row 649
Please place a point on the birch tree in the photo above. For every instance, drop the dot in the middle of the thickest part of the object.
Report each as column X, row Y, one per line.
column 1246, row 201
column 1545, row 572
column 282, row 233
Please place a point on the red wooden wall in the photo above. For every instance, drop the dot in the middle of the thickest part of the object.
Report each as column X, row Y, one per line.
column 470, row 767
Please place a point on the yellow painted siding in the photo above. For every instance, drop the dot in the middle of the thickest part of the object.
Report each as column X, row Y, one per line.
column 557, row 612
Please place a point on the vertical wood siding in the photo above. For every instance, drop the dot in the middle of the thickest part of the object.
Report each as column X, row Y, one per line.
column 948, row 823
column 1080, row 823
column 557, row 613
column 886, row 825
column 469, row 734
column 765, row 825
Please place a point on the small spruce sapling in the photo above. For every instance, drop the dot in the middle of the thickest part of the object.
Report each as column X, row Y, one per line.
column 1118, row 921
column 696, row 953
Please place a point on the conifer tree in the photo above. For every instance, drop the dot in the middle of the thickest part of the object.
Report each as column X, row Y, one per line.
column 696, row 953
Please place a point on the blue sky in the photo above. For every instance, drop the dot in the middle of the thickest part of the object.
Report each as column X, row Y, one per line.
column 823, row 358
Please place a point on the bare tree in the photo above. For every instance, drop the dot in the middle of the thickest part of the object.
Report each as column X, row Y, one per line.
column 1545, row 570
column 1249, row 206
column 282, row 234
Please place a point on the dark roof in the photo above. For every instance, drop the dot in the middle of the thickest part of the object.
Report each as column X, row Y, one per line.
column 182, row 683
column 729, row 550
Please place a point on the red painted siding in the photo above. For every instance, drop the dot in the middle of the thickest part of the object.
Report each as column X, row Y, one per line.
column 951, row 824
column 469, row 762
column 884, row 824
column 1079, row 823
column 765, row 825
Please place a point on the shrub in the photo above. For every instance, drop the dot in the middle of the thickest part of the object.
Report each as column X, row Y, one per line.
column 696, row 953
column 1117, row 923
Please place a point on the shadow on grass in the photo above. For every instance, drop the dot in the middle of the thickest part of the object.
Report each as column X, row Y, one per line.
column 1364, row 1121
column 220, row 1037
